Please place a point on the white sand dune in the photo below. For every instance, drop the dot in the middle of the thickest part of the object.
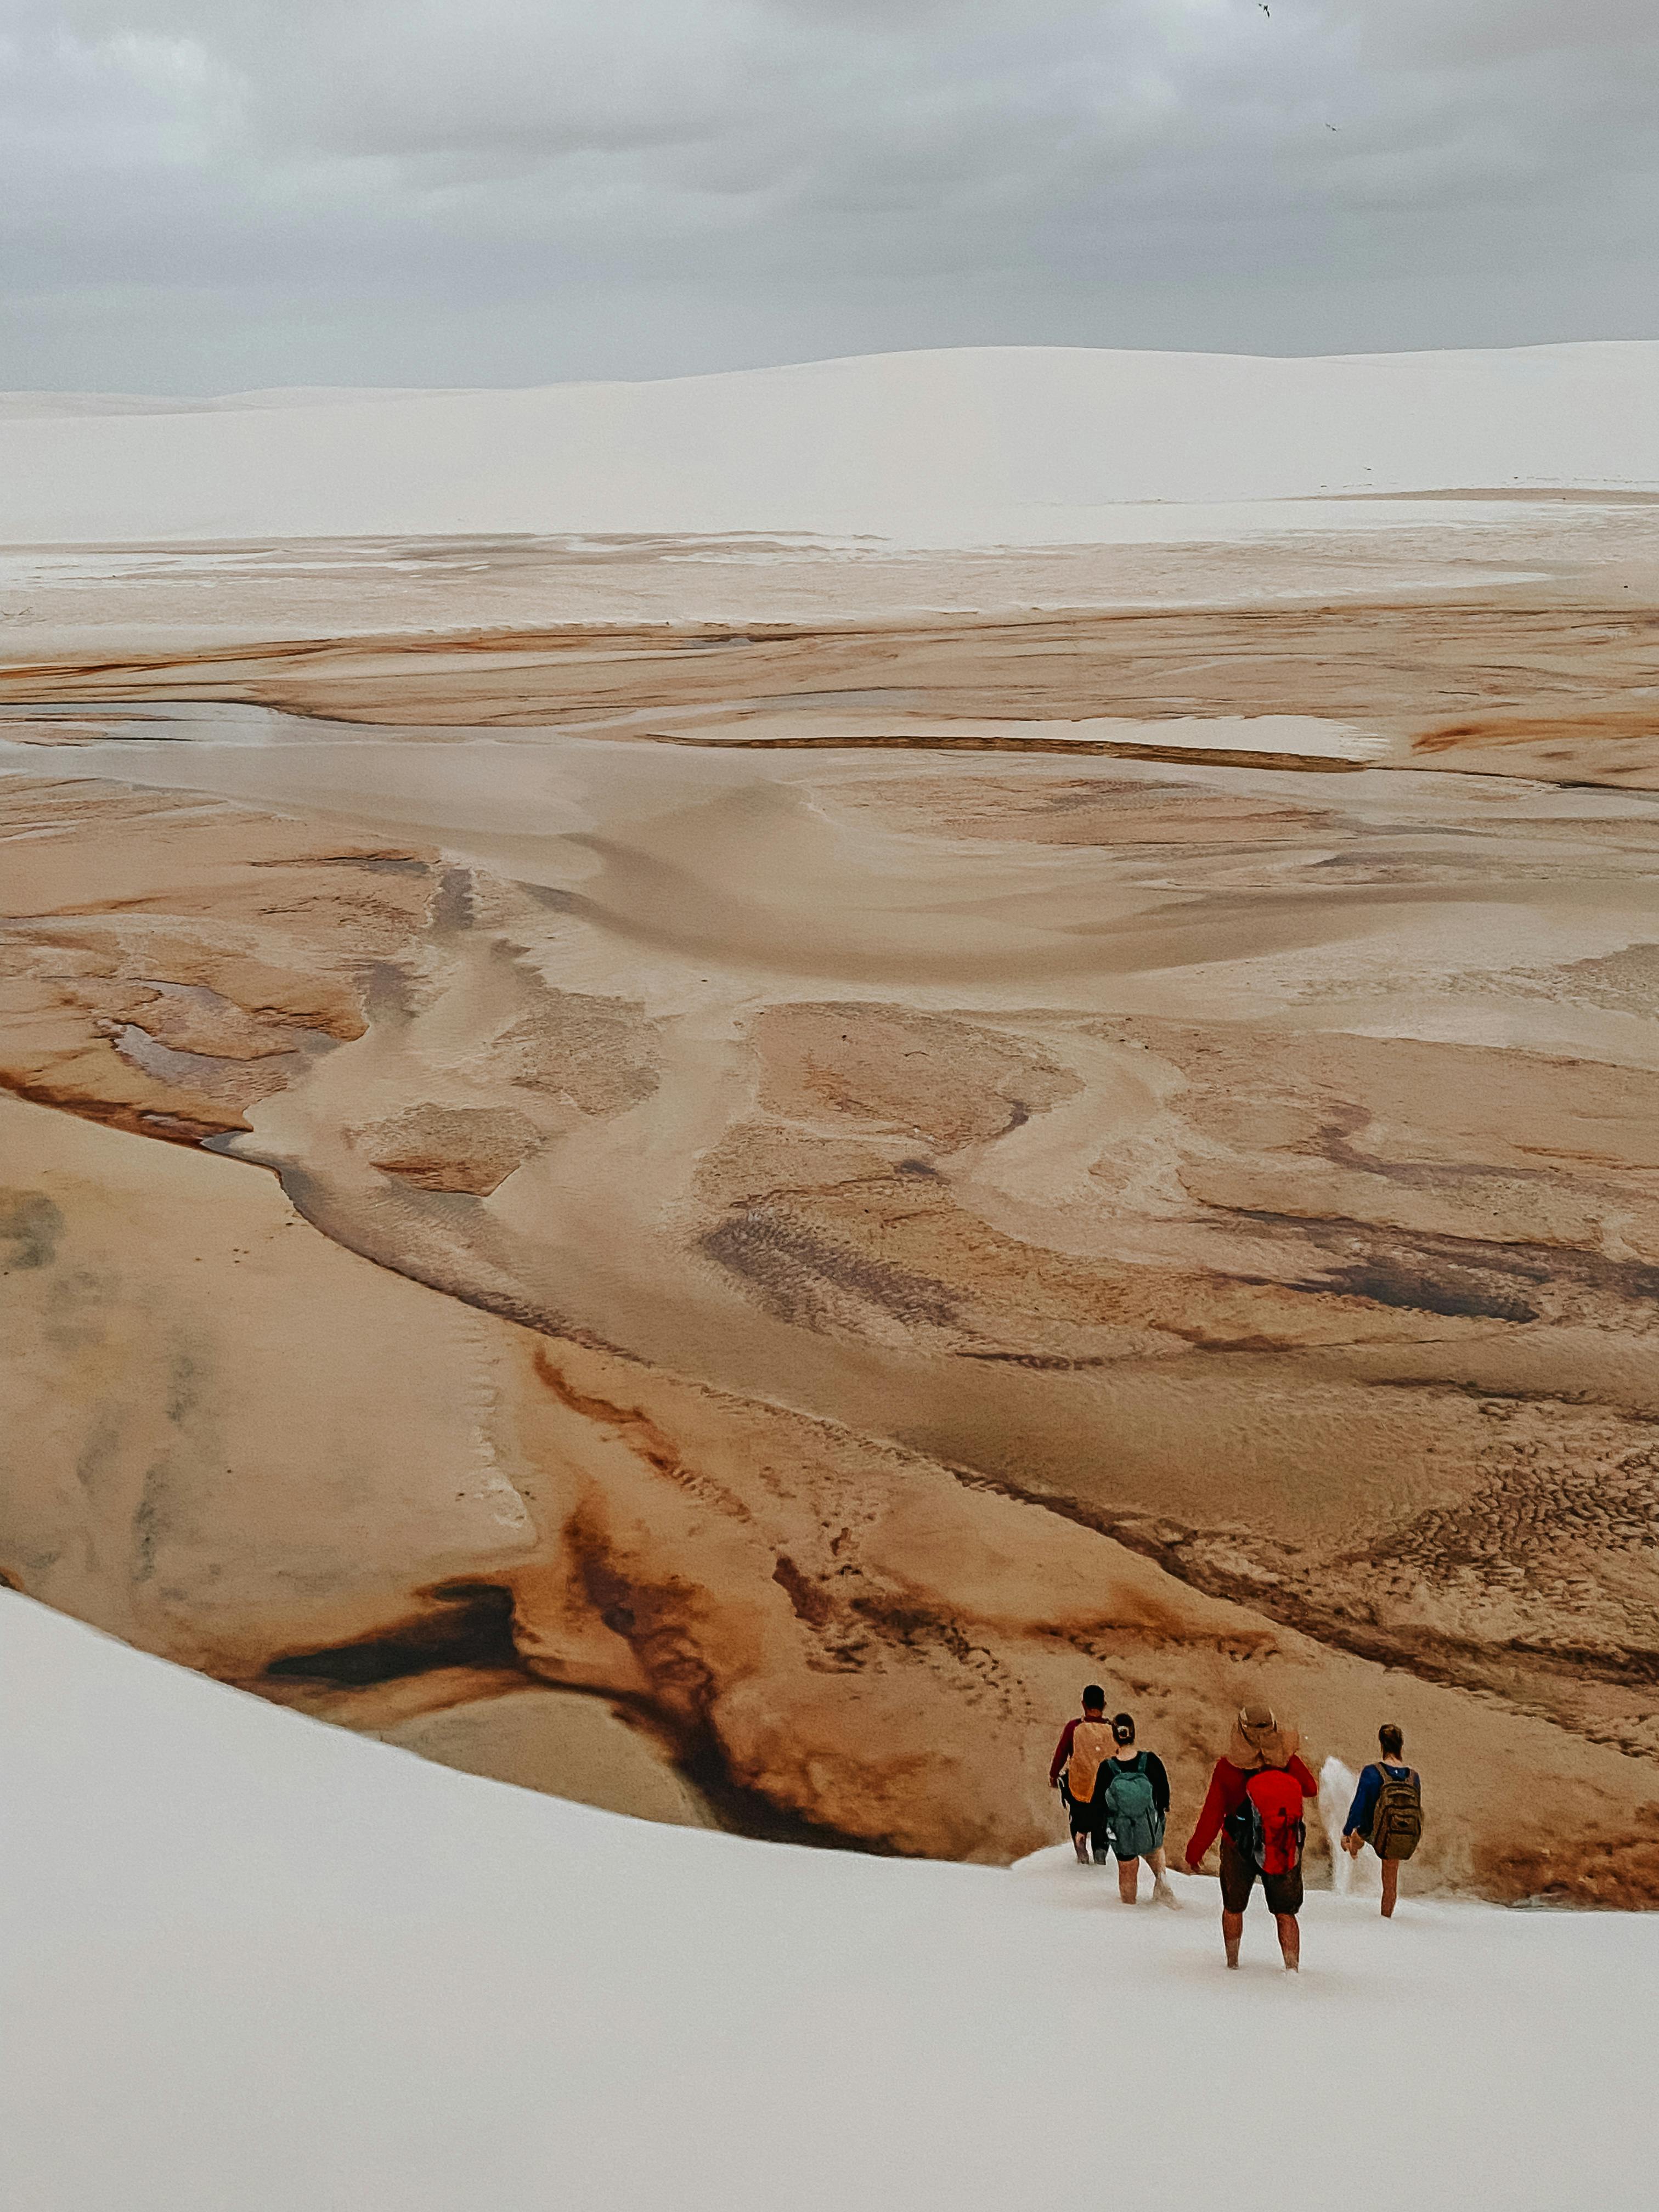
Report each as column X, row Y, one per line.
column 253, row 1962
column 988, row 445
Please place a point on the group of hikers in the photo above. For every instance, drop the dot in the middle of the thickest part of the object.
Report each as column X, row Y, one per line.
column 1117, row 1799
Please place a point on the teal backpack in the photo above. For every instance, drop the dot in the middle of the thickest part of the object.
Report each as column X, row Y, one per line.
column 1133, row 1822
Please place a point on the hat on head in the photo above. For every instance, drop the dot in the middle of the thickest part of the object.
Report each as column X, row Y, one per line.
column 1258, row 1740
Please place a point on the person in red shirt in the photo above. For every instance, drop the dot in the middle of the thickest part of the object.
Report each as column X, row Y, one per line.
column 1081, row 1811
column 1261, row 1752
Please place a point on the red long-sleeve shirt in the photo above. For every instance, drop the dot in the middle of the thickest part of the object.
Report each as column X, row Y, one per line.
column 1225, row 1795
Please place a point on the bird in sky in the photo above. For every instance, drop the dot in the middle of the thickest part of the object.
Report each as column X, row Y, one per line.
column 1265, row 8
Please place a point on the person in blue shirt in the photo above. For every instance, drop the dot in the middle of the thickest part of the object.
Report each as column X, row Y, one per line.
column 1361, row 1814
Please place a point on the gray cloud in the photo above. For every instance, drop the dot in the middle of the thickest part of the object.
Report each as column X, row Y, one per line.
column 197, row 193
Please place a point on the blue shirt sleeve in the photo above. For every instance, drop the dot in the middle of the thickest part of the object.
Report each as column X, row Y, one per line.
column 1364, row 1803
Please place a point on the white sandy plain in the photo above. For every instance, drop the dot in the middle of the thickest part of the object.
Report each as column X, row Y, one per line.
column 974, row 445
column 252, row 1962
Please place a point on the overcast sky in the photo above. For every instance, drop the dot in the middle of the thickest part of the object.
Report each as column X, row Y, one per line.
column 208, row 195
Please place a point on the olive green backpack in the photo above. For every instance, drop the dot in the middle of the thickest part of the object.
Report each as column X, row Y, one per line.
column 1397, row 1816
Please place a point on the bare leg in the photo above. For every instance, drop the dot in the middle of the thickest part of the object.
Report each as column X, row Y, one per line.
column 1232, row 1934
column 1290, row 1941
column 1161, row 1890
column 1128, row 1877
column 1390, row 1887
column 1081, row 1845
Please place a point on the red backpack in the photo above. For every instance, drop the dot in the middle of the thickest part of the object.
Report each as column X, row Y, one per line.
column 1268, row 1828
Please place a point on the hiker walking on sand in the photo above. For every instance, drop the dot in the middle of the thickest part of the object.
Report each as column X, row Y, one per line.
column 1134, row 1803
column 1254, row 1805
column 1387, row 1813
column 1084, row 1747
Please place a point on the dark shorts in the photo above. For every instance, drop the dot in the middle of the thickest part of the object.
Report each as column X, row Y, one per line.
column 1283, row 1892
column 1101, row 1838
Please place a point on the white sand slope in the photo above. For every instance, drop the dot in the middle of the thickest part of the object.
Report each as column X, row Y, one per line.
column 250, row 1962
column 982, row 444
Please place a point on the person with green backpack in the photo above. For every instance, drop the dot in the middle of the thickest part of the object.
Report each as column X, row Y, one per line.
column 1134, row 1804
column 1387, row 1813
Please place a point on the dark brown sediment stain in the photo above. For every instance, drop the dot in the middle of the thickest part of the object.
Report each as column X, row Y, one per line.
column 467, row 1631
column 1606, row 725
column 467, row 1625
column 374, row 864
column 651, row 1619
column 742, row 1810
column 1436, row 1271
column 810, row 1604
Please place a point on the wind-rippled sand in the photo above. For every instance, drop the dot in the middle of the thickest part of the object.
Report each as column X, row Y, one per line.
column 823, row 1239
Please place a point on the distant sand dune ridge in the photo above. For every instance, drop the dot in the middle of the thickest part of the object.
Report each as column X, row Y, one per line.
column 975, row 446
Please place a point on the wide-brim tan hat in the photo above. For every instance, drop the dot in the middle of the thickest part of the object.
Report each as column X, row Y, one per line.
column 1258, row 1738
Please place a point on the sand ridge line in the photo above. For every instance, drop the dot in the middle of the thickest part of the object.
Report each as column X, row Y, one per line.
column 679, row 634
column 1104, row 748
column 1389, row 675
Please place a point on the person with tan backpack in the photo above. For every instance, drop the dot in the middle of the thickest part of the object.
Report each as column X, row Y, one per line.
column 1077, row 1771
column 1387, row 1813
